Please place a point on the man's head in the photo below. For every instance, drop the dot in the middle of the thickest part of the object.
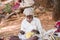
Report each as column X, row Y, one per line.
column 19, row 0
column 29, row 18
column 29, row 12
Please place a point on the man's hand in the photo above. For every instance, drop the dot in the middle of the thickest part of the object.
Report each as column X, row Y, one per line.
column 36, row 31
column 56, row 34
column 22, row 32
column 34, row 38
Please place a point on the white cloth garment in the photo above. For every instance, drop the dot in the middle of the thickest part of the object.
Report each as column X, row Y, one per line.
column 29, row 11
column 26, row 3
column 57, row 34
column 28, row 27
column 51, row 31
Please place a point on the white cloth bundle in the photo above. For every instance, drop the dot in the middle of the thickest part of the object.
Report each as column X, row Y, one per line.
column 27, row 3
column 29, row 11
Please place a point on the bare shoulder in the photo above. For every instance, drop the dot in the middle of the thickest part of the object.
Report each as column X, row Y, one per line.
column 24, row 20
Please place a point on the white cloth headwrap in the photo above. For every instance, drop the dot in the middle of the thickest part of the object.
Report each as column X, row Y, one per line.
column 29, row 11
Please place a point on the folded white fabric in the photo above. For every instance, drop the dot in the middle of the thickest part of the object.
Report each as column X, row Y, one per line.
column 27, row 3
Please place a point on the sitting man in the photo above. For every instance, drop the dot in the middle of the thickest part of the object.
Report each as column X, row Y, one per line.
column 16, row 5
column 57, row 32
column 31, row 26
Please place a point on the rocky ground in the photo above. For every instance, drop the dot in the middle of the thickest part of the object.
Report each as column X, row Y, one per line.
column 12, row 25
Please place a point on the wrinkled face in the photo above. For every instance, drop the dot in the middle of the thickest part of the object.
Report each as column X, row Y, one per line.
column 29, row 18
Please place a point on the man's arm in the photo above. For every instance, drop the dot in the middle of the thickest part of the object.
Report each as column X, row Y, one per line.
column 22, row 30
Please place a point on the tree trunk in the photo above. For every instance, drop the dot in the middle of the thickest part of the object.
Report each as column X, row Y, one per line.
column 49, row 3
column 56, row 14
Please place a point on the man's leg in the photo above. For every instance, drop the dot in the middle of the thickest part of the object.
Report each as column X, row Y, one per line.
column 34, row 38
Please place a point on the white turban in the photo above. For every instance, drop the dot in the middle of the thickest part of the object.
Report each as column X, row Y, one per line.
column 29, row 11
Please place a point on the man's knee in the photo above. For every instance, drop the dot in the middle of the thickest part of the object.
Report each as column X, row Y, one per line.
column 14, row 38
